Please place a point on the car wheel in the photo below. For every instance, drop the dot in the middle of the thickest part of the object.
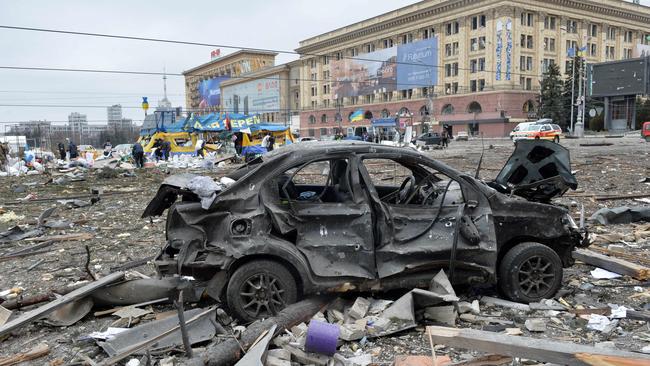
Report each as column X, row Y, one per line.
column 260, row 289
column 536, row 137
column 556, row 139
column 530, row 272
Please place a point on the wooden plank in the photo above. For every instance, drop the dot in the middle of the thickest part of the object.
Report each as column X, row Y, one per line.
column 542, row 350
column 53, row 305
column 616, row 265
column 36, row 352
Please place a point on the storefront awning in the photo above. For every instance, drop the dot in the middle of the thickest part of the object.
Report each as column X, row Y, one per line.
column 384, row 122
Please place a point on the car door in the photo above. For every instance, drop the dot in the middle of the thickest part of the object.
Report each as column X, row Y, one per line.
column 421, row 234
column 331, row 217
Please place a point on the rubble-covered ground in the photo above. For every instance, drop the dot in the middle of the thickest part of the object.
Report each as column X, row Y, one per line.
column 119, row 236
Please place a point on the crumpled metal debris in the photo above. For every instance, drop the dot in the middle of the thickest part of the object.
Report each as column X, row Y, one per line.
column 17, row 233
column 205, row 188
column 621, row 215
column 70, row 313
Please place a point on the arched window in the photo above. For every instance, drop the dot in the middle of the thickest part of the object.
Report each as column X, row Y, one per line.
column 424, row 111
column 312, row 120
column 529, row 106
column 367, row 115
column 447, row 109
column 385, row 113
column 323, row 118
column 474, row 107
column 404, row 111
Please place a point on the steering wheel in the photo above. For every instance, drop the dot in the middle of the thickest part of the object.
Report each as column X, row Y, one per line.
column 427, row 193
column 406, row 189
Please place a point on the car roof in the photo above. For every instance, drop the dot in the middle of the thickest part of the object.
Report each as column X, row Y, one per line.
column 328, row 147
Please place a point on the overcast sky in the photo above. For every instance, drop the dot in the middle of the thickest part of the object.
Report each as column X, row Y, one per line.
column 277, row 24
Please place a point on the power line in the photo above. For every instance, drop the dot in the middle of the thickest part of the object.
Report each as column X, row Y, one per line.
column 161, row 40
column 79, row 92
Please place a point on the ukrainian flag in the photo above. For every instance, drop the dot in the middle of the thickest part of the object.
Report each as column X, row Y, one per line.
column 357, row 116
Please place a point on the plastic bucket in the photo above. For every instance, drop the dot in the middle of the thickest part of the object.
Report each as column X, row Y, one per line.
column 322, row 337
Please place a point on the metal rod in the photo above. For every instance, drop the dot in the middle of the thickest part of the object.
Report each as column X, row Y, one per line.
column 181, row 321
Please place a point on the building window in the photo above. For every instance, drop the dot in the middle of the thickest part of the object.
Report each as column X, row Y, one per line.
column 611, row 33
column 407, row 94
column 477, row 44
column 338, row 56
column 627, row 53
column 326, row 75
column 546, row 63
column 354, row 52
column 312, row 120
column 481, row 64
column 385, row 113
column 526, row 41
column 571, row 26
column 428, row 33
column 388, row 43
column 593, row 30
column 549, row 44
column 326, row 89
column 592, row 49
column 451, row 69
column 526, row 63
column 407, row 38
column 452, row 28
column 370, row 47
column 326, row 60
column 312, row 63
column 472, row 86
column 527, row 19
column 571, row 45
column 326, row 103
column 323, row 118
column 473, row 66
column 447, row 109
column 478, row 21
column 481, row 84
column 610, row 52
column 627, row 36
column 451, row 49
column 549, row 22
column 646, row 39
column 314, row 91
column 526, row 83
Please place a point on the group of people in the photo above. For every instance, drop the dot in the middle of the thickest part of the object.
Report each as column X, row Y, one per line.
column 71, row 150
column 268, row 141
column 163, row 149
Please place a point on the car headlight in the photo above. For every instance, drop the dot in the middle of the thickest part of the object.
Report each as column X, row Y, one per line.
column 568, row 220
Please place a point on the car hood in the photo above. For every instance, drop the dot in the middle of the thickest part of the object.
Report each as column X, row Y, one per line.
column 537, row 170
column 169, row 190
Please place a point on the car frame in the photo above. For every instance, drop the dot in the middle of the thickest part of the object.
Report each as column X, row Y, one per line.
column 462, row 136
column 428, row 139
column 258, row 242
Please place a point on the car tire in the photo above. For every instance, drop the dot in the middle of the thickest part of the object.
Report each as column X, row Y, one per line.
column 247, row 302
column 530, row 272
column 556, row 139
column 537, row 138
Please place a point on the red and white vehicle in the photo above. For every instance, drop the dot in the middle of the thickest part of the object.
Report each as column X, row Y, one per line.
column 545, row 131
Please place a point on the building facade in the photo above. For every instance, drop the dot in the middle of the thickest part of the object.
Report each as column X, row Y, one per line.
column 202, row 83
column 491, row 55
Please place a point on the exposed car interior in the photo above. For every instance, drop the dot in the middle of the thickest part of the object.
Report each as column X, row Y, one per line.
column 317, row 181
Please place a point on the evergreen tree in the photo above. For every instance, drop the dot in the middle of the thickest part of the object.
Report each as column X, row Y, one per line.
column 551, row 104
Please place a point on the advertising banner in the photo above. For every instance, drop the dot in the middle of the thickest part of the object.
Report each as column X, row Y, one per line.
column 255, row 96
column 387, row 70
column 210, row 92
column 410, row 56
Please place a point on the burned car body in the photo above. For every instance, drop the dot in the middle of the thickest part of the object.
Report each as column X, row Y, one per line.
column 352, row 215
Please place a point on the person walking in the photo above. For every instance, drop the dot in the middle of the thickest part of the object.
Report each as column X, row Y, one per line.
column 61, row 148
column 138, row 155
column 265, row 141
column 271, row 143
column 445, row 139
column 200, row 146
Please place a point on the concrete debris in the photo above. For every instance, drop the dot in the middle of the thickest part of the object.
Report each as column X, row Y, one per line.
column 535, row 325
column 621, row 215
column 493, row 301
column 359, row 308
column 442, row 314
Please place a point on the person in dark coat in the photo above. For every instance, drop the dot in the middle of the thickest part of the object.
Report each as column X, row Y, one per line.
column 61, row 148
column 158, row 145
column 138, row 155
column 72, row 149
column 166, row 150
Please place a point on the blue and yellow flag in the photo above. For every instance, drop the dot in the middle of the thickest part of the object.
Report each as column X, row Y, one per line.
column 357, row 116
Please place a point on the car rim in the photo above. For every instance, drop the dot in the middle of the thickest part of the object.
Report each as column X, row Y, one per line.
column 536, row 276
column 262, row 295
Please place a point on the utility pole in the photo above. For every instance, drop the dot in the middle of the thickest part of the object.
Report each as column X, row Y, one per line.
column 579, row 127
column 573, row 84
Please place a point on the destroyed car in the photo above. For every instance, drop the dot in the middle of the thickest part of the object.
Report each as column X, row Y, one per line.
column 341, row 216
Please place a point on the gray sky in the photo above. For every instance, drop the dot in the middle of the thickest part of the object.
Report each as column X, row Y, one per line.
column 277, row 24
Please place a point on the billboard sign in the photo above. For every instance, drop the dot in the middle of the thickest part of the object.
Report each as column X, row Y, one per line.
column 618, row 78
column 210, row 92
column 255, row 96
column 387, row 70
column 410, row 56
